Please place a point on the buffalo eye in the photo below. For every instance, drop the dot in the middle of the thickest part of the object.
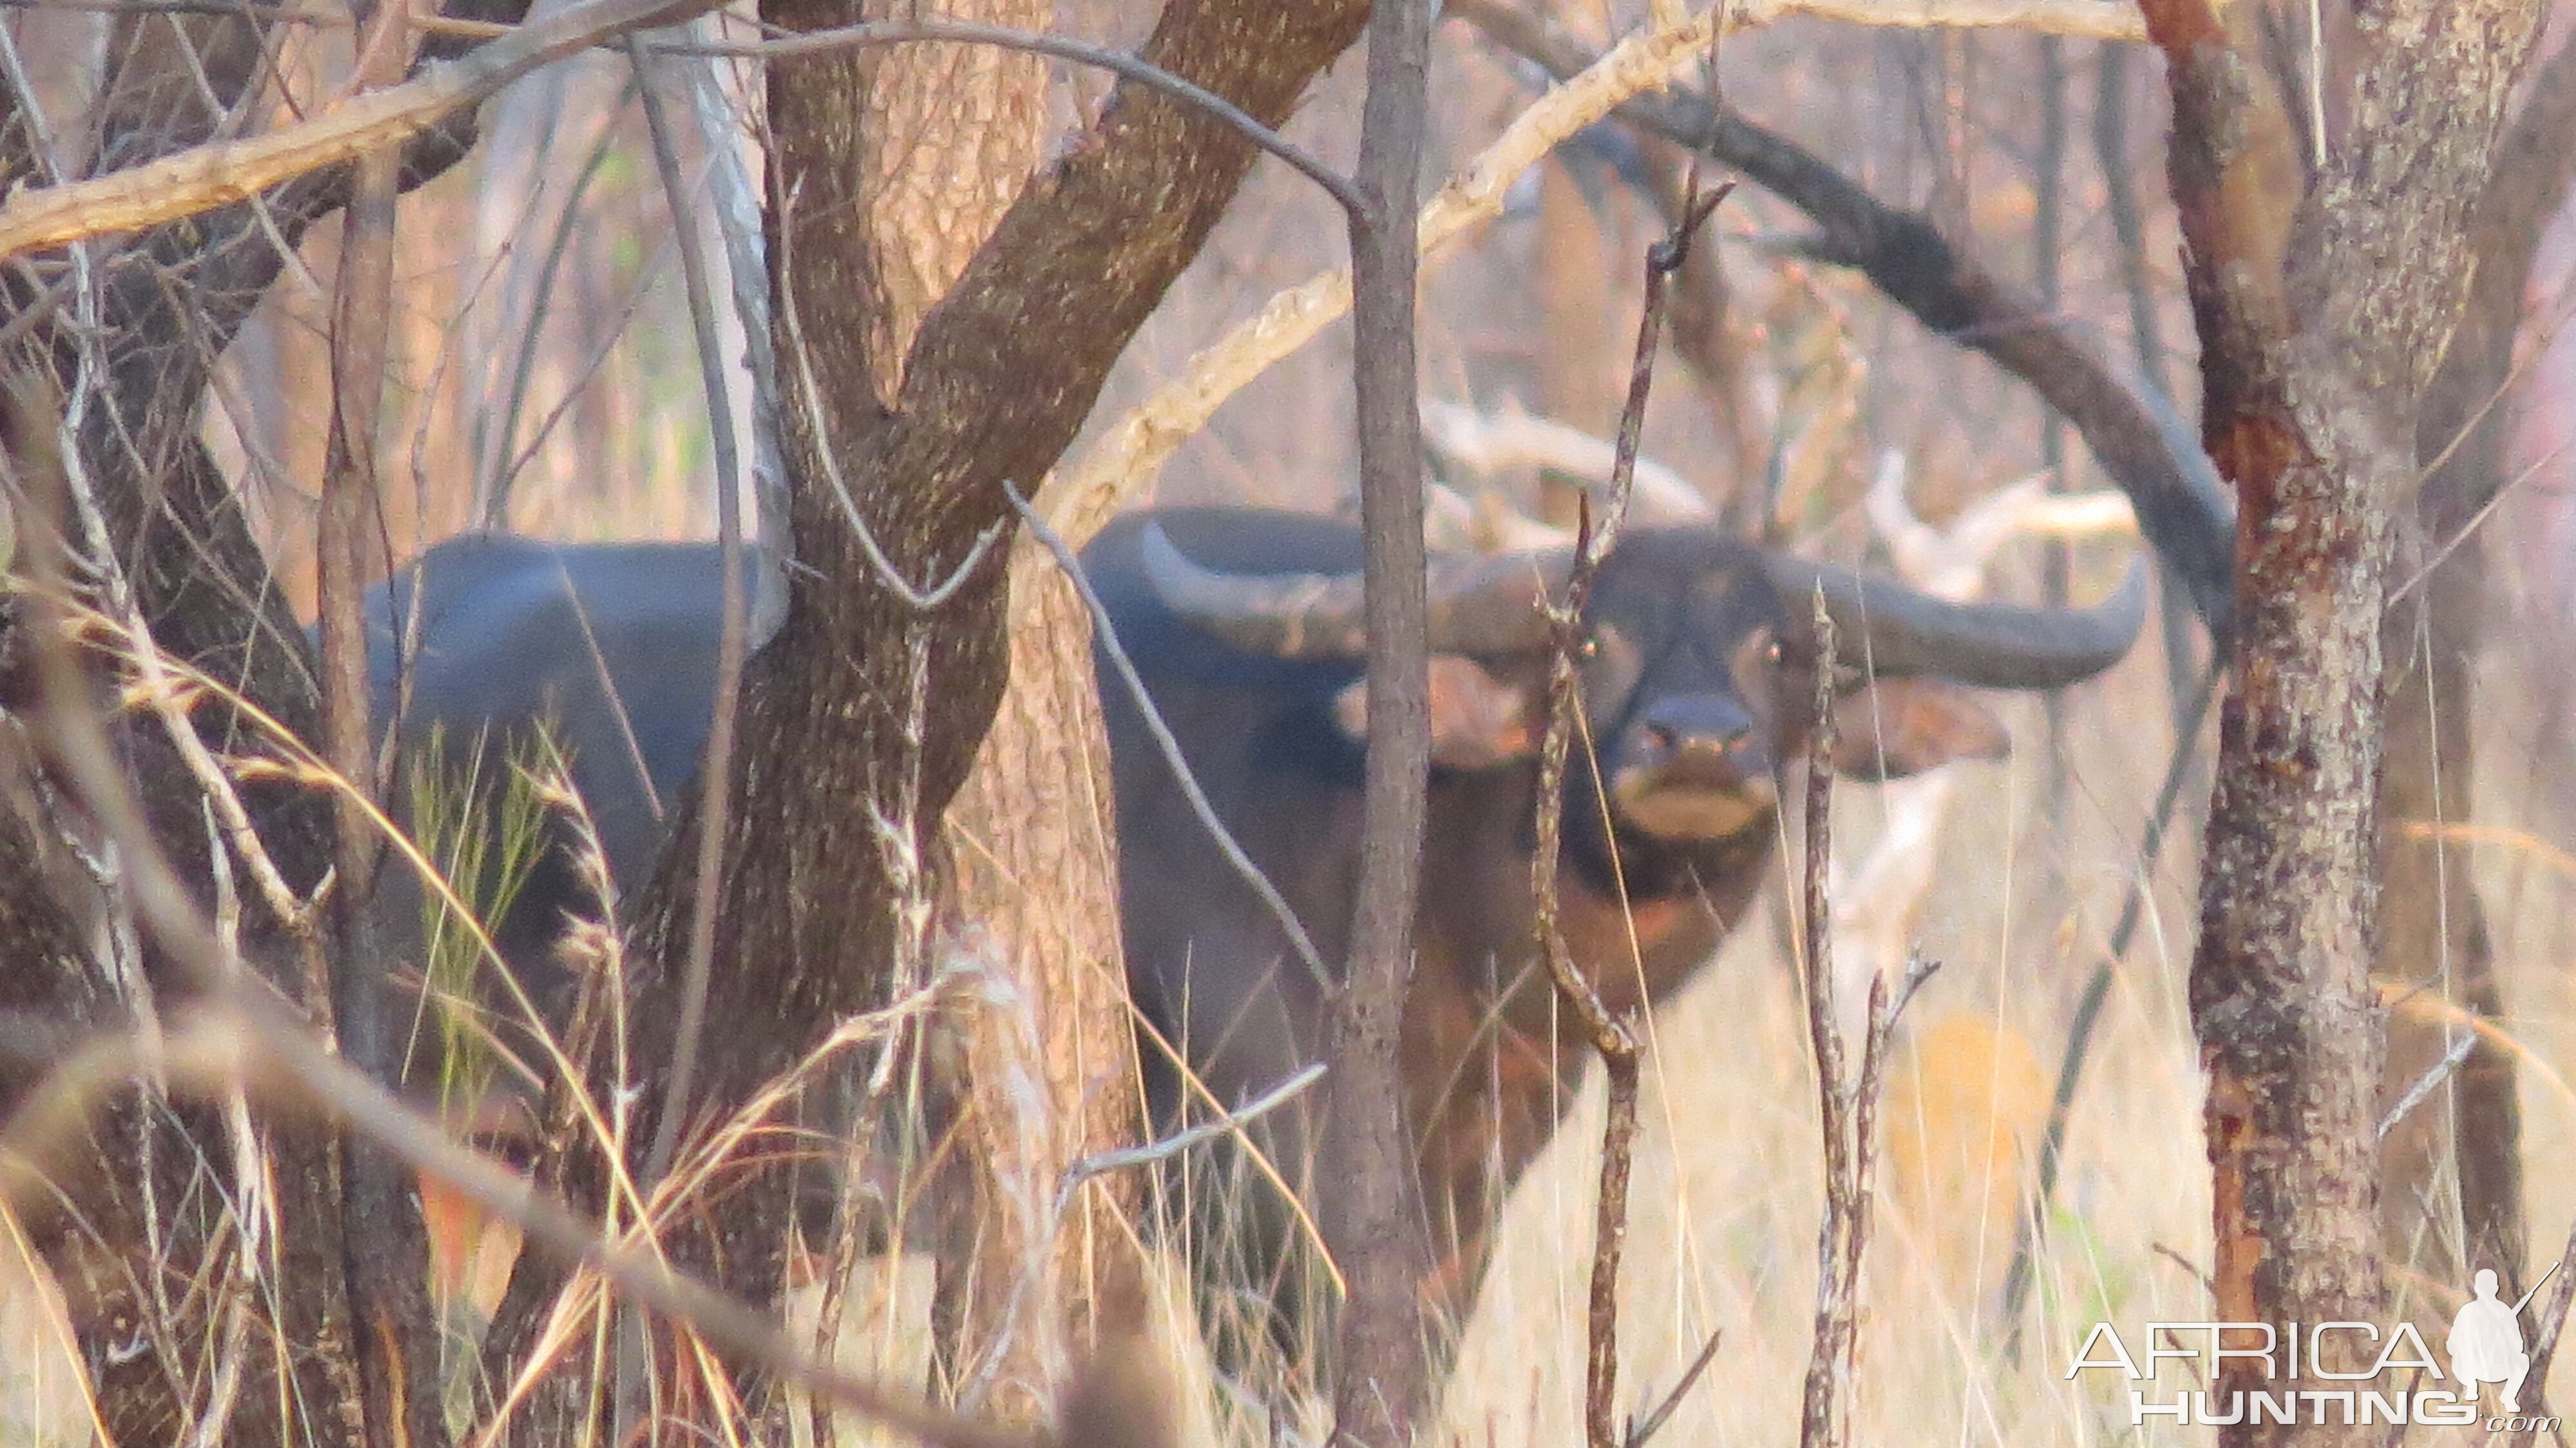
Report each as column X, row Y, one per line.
column 1755, row 665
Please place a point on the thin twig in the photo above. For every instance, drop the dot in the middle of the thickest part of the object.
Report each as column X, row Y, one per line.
column 1653, row 1423
column 716, row 773
column 809, row 399
column 1613, row 1039
column 2426, row 1084
column 1231, row 1123
column 2544, row 1347
column 1100, row 1164
column 1848, row 1110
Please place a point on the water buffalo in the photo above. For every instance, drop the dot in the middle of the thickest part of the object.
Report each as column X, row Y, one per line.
column 1697, row 683
column 1245, row 627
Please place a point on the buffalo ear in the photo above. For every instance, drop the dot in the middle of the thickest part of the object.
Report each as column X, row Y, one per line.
column 1898, row 727
column 1477, row 720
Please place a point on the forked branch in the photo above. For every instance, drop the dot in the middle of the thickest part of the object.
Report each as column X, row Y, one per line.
column 1613, row 1038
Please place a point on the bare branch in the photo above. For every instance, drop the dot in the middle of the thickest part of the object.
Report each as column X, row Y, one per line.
column 1847, row 1108
column 1646, row 1428
column 716, row 774
column 2426, row 1084
column 1135, row 447
column 2131, row 428
column 206, row 177
column 1056, row 47
column 1613, row 1039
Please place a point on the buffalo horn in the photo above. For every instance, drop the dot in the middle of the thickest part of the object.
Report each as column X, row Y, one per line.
column 1478, row 605
column 1892, row 630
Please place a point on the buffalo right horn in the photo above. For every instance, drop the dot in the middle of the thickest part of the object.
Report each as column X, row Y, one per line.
column 1895, row 631
column 1478, row 605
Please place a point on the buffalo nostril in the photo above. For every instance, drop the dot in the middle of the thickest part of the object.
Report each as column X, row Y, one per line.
column 1662, row 737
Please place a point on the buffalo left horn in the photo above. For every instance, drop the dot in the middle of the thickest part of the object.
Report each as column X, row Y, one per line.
column 1892, row 630
column 1478, row 605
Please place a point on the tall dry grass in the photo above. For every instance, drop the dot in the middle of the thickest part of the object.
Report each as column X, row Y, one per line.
column 1728, row 1186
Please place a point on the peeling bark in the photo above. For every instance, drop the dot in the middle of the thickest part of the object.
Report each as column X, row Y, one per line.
column 2321, row 318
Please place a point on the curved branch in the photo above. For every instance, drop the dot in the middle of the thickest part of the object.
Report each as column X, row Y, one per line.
column 1054, row 47
column 2140, row 441
column 203, row 178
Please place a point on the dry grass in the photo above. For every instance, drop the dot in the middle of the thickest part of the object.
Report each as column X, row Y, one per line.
column 1727, row 1190
column 1728, row 1187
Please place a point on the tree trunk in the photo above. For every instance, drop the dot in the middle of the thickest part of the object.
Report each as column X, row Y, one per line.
column 2317, row 322
column 2432, row 922
column 859, row 721
column 1045, row 1052
column 1373, row 1217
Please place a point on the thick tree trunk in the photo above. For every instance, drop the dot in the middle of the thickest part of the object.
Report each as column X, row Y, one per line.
column 1033, row 1060
column 2318, row 324
column 859, row 721
column 1043, row 1046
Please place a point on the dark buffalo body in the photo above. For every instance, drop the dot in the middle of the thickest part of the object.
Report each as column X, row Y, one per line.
column 1697, row 682
column 1698, row 664
column 1267, row 743
column 612, row 645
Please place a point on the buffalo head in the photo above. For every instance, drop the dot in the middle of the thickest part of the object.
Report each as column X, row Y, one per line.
column 1697, row 652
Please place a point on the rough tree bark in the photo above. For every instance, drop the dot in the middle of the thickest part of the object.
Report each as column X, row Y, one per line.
column 2320, row 321
column 2433, row 931
column 860, row 719
column 1043, row 1044
column 1032, row 1059
column 168, row 303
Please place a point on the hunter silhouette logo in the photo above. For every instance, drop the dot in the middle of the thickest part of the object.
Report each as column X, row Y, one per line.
column 2290, row 1373
column 2486, row 1340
